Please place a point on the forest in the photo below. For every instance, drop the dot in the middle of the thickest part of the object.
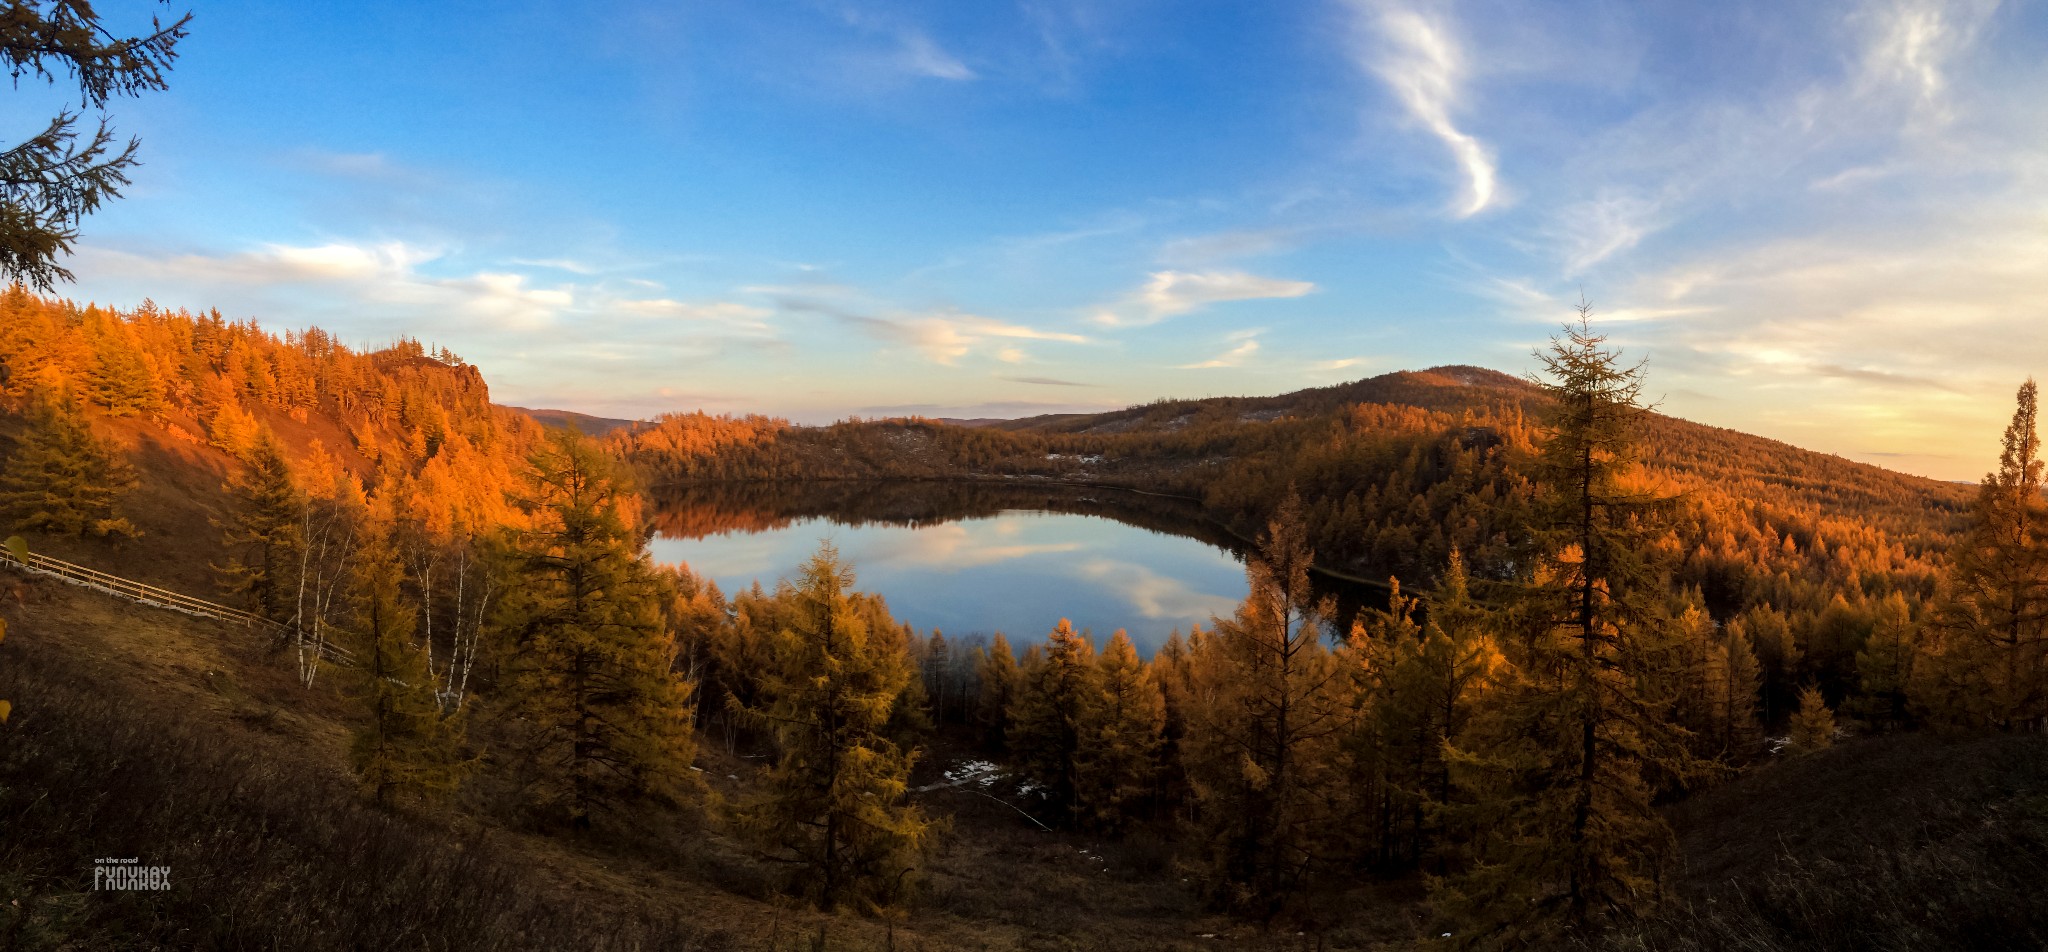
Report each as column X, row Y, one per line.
column 1601, row 621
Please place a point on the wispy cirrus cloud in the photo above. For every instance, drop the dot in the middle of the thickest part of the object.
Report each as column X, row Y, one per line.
column 919, row 56
column 909, row 50
column 992, row 409
column 558, row 264
column 748, row 317
column 1247, row 345
column 1912, row 42
column 1234, row 243
column 1173, row 293
column 944, row 337
column 1882, row 378
column 1417, row 56
column 1048, row 382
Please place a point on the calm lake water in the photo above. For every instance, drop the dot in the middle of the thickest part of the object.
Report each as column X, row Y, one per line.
column 967, row 561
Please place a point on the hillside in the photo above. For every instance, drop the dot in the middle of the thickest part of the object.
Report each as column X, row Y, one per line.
column 1902, row 843
column 188, row 399
column 582, row 422
column 177, row 738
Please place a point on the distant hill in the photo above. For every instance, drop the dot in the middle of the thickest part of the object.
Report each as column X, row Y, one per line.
column 582, row 422
column 1450, row 388
column 1395, row 472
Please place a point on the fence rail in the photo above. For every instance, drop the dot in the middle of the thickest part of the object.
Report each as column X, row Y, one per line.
column 134, row 591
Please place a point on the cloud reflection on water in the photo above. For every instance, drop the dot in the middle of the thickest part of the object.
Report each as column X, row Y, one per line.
column 1018, row 572
column 1153, row 595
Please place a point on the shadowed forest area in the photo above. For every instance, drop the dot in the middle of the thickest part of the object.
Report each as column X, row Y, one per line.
column 1639, row 683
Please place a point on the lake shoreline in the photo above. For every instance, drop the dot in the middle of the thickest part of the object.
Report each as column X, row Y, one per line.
column 1244, row 543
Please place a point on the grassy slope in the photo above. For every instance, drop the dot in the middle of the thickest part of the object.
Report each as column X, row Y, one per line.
column 143, row 732
column 1914, row 842
column 180, row 494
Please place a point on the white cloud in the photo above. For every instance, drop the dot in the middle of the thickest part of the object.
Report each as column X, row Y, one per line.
column 386, row 275
column 329, row 262
column 922, row 57
column 1900, row 345
column 1912, row 42
column 943, row 336
column 1344, row 363
column 946, row 338
column 557, row 264
column 1855, row 176
column 740, row 316
column 1418, row 58
column 506, row 298
column 1524, row 302
column 391, row 284
column 1172, row 293
column 1613, row 221
column 1230, row 358
column 910, row 52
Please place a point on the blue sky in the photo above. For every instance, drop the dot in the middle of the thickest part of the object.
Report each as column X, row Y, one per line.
column 1825, row 223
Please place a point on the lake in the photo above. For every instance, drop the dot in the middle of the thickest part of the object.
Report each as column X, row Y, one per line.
column 970, row 559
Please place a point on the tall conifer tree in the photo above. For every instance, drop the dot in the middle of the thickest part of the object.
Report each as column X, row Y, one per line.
column 1579, row 739
column 1049, row 725
column 264, row 532
column 996, row 673
column 1119, row 756
column 1741, row 690
column 833, row 806
column 62, row 479
column 1263, row 730
column 1426, row 684
column 1884, row 668
column 1992, row 628
column 606, row 721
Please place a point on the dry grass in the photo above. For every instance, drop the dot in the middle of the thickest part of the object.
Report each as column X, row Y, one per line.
column 142, row 732
column 1915, row 842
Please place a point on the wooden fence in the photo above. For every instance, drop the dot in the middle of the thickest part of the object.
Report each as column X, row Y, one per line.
column 135, row 591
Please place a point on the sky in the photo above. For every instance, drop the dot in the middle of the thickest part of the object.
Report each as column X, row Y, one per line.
column 1825, row 223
